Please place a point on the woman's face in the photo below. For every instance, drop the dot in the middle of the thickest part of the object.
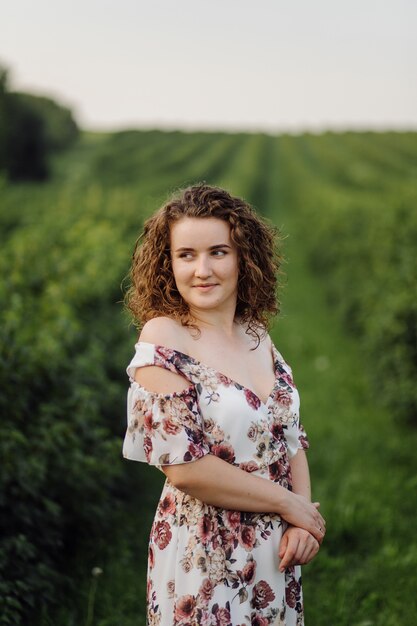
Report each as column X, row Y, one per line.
column 204, row 263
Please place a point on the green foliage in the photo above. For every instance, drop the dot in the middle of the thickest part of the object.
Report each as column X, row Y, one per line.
column 60, row 128
column 67, row 503
column 356, row 213
column 58, row 403
column 64, row 347
column 23, row 149
column 30, row 128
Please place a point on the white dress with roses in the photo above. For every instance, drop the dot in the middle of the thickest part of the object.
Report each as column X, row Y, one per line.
column 210, row 566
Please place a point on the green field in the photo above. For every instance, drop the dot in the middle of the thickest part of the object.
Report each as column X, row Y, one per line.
column 346, row 204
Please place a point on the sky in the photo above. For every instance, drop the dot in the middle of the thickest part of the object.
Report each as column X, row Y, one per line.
column 259, row 65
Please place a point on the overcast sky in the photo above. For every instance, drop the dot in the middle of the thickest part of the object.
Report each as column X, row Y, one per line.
column 269, row 65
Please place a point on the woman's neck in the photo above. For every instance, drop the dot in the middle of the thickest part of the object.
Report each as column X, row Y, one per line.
column 218, row 323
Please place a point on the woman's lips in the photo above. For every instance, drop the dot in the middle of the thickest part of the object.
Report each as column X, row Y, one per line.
column 204, row 287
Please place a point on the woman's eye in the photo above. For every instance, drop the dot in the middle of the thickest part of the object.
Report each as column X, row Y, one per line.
column 219, row 252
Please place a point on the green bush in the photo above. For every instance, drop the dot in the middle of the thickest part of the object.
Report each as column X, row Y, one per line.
column 356, row 213
column 31, row 127
column 22, row 136
column 60, row 128
column 59, row 434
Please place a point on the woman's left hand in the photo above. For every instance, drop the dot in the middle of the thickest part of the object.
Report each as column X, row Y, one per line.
column 297, row 547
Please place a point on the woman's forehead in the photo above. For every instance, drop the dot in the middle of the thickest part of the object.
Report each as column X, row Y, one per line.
column 200, row 230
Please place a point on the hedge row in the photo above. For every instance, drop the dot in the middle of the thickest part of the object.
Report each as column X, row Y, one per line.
column 356, row 198
column 64, row 348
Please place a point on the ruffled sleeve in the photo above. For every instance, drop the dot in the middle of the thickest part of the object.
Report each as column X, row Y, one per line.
column 303, row 441
column 162, row 429
column 294, row 432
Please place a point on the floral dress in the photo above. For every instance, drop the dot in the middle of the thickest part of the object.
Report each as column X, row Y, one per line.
column 209, row 566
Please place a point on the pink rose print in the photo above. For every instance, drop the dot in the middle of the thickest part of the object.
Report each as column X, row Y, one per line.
column 167, row 354
column 247, row 537
column 276, row 430
column 286, row 377
column 249, row 466
column 227, row 536
column 232, row 520
column 147, row 446
column 195, row 451
column 167, row 505
column 162, row 534
column 247, row 575
column 258, row 620
column 184, row 608
column 277, row 470
column 206, row 590
column 224, row 380
column 262, row 595
column 151, row 556
column 171, row 588
column 147, row 422
column 170, row 426
column 206, row 618
column 206, row 527
column 224, row 451
column 283, row 397
column 252, row 433
column 292, row 593
column 252, row 399
column 222, row 617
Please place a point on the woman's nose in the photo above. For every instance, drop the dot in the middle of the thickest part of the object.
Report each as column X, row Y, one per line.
column 203, row 267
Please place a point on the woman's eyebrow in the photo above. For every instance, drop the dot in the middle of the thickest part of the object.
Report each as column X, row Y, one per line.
column 215, row 247
column 220, row 245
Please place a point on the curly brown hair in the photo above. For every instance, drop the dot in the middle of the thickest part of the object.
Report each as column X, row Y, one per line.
column 152, row 291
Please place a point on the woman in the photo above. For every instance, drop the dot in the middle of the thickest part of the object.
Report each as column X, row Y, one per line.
column 212, row 404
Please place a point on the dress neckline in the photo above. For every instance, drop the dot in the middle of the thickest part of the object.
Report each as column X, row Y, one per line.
column 274, row 355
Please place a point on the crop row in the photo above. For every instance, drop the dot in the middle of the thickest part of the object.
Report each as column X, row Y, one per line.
column 356, row 212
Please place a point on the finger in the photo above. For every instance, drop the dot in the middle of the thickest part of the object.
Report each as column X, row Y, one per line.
column 321, row 525
column 310, row 550
column 298, row 556
column 283, row 545
column 306, row 544
column 319, row 516
column 289, row 553
column 317, row 533
column 322, row 521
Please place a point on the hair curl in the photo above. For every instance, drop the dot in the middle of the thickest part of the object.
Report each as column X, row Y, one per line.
column 153, row 292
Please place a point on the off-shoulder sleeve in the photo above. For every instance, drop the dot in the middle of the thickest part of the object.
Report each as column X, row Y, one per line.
column 163, row 429
column 303, row 441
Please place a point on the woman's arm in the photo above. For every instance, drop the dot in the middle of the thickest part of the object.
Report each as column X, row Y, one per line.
column 298, row 546
column 221, row 484
column 300, row 474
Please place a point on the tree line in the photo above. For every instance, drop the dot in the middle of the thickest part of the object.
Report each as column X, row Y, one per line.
column 31, row 129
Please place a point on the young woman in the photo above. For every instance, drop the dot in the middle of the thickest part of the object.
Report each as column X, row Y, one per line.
column 212, row 403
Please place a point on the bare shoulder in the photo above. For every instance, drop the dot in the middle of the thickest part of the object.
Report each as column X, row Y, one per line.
column 267, row 341
column 266, row 345
column 162, row 331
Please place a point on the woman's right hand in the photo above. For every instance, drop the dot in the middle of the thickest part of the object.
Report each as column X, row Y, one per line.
column 298, row 511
